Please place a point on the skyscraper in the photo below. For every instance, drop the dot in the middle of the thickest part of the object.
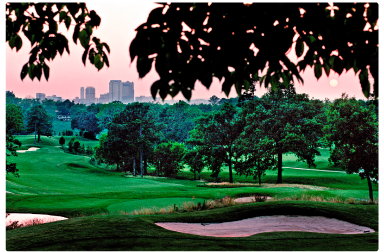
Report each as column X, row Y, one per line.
column 90, row 95
column 82, row 93
column 128, row 92
column 115, row 90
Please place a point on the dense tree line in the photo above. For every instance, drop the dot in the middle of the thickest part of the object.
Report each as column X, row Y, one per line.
column 248, row 136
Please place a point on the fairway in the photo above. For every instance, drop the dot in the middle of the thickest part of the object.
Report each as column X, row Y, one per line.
column 58, row 183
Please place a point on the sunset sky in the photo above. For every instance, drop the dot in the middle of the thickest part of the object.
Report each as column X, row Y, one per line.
column 118, row 23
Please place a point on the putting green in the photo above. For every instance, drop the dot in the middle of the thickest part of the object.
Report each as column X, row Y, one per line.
column 132, row 205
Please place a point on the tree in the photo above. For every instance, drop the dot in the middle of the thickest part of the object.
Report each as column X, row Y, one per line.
column 353, row 129
column 107, row 112
column 195, row 159
column 38, row 22
column 38, row 121
column 14, row 124
column 289, row 121
column 62, row 142
column 169, row 158
column 213, row 100
column 178, row 120
column 86, row 120
column 216, row 133
column 237, row 41
column 131, row 134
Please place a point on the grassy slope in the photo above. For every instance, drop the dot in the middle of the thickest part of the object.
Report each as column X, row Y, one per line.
column 54, row 182
column 119, row 232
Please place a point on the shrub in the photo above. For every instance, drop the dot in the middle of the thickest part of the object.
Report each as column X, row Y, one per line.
column 76, row 146
column 62, row 141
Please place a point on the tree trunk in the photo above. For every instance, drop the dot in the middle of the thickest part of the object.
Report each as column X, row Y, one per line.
column 230, row 167
column 199, row 175
column 134, row 166
column 259, row 172
column 279, row 168
column 35, row 133
column 194, row 175
column 145, row 165
column 369, row 187
column 141, row 154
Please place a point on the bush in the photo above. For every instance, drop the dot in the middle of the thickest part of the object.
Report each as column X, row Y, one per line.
column 76, row 146
column 62, row 141
column 89, row 135
column 70, row 144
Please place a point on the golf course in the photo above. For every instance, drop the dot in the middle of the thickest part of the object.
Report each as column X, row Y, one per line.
column 109, row 210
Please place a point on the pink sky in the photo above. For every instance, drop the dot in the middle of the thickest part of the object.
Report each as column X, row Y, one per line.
column 118, row 23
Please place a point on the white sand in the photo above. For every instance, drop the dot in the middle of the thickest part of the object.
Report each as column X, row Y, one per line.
column 27, row 218
column 262, row 224
column 29, row 149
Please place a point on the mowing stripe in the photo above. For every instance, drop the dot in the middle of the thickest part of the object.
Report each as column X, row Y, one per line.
column 313, row 169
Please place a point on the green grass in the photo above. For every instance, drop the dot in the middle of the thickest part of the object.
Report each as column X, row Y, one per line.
column 54, row 182
column 120, row 232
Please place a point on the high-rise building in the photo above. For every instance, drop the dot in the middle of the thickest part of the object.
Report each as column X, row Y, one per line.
column 40, row 96
column 128, row 92
column 121, row 91
column 115, row 90
column 82, row 93
column 90, row 95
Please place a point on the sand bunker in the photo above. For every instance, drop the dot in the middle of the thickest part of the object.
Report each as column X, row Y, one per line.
column 27, row 219
column 250, row 199
column 262, row 224
column 30, row 149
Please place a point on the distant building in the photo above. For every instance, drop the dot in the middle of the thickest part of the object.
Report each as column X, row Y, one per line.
column 54, row 98
column 128, row 92
column 82, row 93
column 76, row 100
column 89, row 95
column 104, row 98
column 144, row 99
column 40, row 96
column 121, row 91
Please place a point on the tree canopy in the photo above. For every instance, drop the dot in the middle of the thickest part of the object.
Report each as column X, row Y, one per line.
column 237, row 42
column 39, row 23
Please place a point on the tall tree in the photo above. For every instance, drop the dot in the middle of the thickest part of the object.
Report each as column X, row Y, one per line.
column 132, row 132
column 217, row 133
column 107, row 112
column 38, row 121
column 353, row 129
column 288, row 120
column 169, row 158
column 14, row 124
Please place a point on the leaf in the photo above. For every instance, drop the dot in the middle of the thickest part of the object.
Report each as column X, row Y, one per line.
column 318, row 70
column 12, row 42
column 105, row 59
column 154, row 88
column 95, row 19
column 84, row 38
column 46, row 71
column 24, row 71
column 299, row 47
column 76, row 33
column 364, row 82
column 97, row 62
column 85, row 53
column 38, row 70
column 326, row 69
column 62, row 15
column 68, row 21
column 107, row 47
column 143, row 66
column 187, row 93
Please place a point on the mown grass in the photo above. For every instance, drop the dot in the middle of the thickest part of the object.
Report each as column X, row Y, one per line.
column 54, row 182
column 121, row 232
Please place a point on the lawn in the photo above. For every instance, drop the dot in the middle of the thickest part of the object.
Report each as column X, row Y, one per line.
column 54, row 182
